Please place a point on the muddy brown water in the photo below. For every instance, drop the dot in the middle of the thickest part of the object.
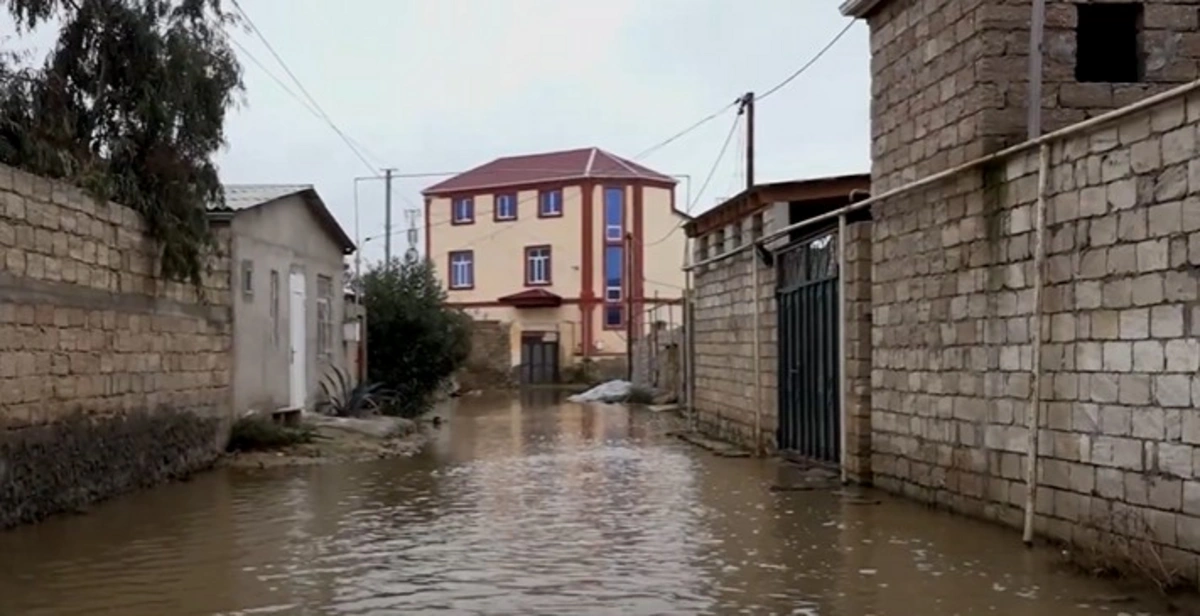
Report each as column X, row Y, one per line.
column 528, row 506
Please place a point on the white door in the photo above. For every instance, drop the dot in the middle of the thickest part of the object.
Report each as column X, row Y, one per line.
column 297, row 374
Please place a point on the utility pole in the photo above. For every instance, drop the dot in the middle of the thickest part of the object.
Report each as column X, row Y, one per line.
column 387, row 218
column 629, row 307
column 411, row 233
column 747, row 108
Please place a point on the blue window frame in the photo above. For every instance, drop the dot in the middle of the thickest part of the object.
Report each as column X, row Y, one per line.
column 614, row 213
column 614, row 315
column 550, row 203
column 463, row 211
column 462, row 269
column 506, row 207
column 614, row 277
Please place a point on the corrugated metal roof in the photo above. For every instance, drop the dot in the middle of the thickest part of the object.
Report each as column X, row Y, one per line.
column 547, row 167
column 243, row 196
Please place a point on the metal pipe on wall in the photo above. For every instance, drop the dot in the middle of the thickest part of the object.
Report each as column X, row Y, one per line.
column 758, row 450
column 843, row 435
column 1035, row 397
column 929, row 180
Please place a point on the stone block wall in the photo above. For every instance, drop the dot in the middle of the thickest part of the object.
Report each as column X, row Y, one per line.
column 857, row 414
column 98, row 353
column 723, row 317
column 953, row 306
column 950, row 77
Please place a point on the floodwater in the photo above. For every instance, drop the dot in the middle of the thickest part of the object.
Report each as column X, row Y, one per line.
column 527, row 506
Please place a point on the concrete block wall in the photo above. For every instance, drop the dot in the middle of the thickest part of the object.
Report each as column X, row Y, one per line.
column 857, row 413
column 952, row 304
column 723, row 342
column 90, row 338
column 950, row 77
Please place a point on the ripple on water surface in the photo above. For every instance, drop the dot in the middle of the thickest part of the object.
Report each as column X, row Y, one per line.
column 524, row 506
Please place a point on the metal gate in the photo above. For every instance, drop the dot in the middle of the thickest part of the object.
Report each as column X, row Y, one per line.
column 807, row 293
column 539, row 358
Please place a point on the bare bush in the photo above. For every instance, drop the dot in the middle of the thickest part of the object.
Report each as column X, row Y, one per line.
column 1123, row 544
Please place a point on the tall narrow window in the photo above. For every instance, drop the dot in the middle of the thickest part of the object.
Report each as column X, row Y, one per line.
column 614, row 288
column 275, row 307
column 462, row 269
column 550, row 203
column 324, row 315
column 463, row 211
column 614, row 214
column 537, row 266
column 756, row 226
column 506, row 207
column 1108, row 42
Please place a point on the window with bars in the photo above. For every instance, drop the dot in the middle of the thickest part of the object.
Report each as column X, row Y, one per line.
column 324, row 315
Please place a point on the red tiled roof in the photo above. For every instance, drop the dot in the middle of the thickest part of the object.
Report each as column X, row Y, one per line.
column 547, row 167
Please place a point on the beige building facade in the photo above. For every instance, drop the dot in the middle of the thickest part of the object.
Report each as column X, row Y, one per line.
column 572, row 248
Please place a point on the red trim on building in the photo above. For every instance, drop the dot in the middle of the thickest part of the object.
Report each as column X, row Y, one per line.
column 639, row 262
column 549, row 265
column 587, row 291
column 450, row 270
column 532, row 298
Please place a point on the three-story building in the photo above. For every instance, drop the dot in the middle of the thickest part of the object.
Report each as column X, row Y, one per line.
column 573, row 248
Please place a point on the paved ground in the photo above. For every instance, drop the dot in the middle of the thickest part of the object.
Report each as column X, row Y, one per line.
column 529, row 506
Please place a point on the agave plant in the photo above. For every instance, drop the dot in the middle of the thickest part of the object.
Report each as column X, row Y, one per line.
column 345, row 399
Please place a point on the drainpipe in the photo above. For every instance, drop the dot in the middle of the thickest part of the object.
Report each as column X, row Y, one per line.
column 843, row 435
column 757, row 356
column 1035, row 400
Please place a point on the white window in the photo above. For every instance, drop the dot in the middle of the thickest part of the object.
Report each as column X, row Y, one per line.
column 463, row 211
column 506, row 207
column 462, row 269
column 247, row 278
column 550, row 203
column 537, row 265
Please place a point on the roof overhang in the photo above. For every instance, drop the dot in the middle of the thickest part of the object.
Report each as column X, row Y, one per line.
column 533, row 298
column 859, row 8
column 315, row 204
column 759, row 196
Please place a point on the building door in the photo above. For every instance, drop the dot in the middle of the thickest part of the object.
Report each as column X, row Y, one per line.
column 807, row 288
column 297, row 326
column 539, row 358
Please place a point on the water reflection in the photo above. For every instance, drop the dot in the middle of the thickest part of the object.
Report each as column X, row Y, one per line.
column 523, row 505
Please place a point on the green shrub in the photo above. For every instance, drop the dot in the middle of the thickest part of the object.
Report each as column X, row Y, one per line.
column 415, row 341
column 258, row 433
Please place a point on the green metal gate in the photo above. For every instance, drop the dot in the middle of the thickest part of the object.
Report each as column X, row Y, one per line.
column 807, row 293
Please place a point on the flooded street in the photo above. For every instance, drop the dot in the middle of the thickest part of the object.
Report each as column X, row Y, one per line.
column 530, row 507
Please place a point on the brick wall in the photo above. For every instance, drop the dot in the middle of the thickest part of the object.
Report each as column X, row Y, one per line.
column 953, row 312
column 857, row 414
column 950, row 77
column 105, row 371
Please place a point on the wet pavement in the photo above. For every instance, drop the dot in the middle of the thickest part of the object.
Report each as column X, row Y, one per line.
column 526, row 506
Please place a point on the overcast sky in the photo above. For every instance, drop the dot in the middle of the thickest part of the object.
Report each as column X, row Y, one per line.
column 444, row 85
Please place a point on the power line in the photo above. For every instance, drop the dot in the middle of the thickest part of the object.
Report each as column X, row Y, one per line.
column 676, row 136
column 779, row 86
column 704, row 186
column 317, row 106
